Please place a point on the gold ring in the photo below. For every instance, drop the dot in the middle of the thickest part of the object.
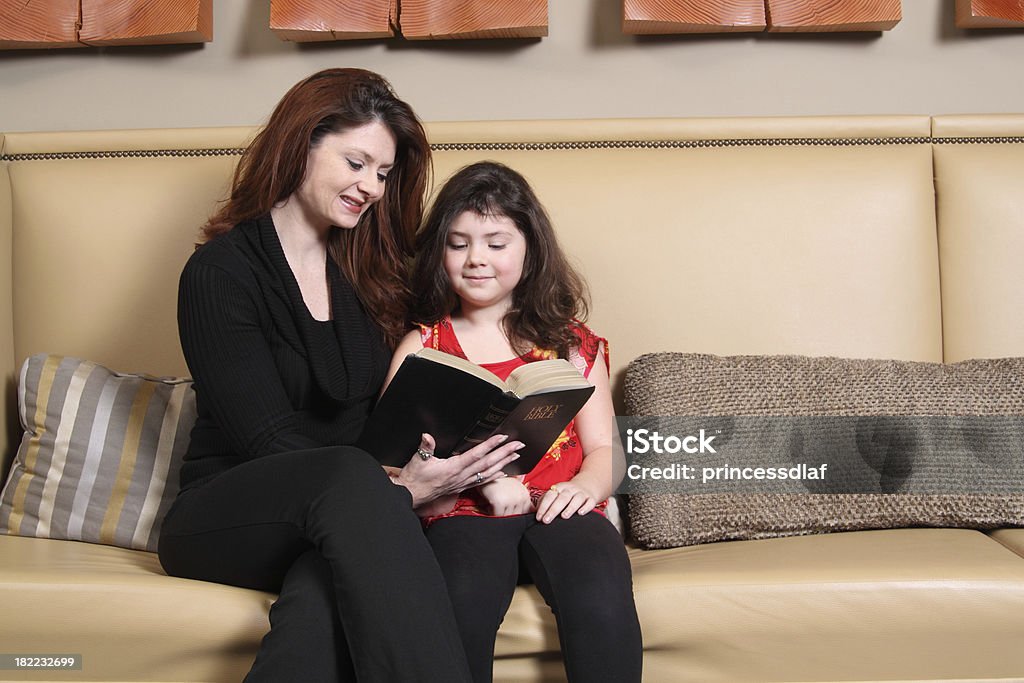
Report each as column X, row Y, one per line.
column 554, row 487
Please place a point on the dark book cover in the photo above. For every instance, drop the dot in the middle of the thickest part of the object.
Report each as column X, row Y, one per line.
column 460, row 410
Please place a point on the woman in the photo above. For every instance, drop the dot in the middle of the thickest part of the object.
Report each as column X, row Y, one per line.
column 286, row 315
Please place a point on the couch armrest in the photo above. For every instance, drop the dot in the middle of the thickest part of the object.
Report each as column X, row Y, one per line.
column 8, row 402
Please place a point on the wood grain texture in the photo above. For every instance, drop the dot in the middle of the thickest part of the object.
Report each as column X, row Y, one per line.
column 647, row 17
column 438, row 19
column 816, row 16
column 319, row 20
column 43, row 23
column 146, row 22
column 990, row 13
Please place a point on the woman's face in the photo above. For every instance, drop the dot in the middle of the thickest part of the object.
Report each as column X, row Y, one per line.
column 345, row 175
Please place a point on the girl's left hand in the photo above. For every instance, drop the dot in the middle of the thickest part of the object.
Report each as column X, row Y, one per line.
column 565, row 499
column 507, row 496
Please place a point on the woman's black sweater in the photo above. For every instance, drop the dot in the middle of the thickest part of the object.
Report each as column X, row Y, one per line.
column 269, row 378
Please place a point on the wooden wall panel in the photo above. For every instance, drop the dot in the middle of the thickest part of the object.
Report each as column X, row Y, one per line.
column 692, row 16
column 45, row 23
column 833, row 15
column 437, row 19
column 146, row 22
column 989, row 13
column 317, row 20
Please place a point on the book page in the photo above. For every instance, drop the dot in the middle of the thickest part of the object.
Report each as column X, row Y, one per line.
column 556, row 374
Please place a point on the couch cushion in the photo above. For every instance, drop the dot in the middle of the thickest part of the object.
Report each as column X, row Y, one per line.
column 704, row 385
column 901, row 604
column 128, row 620
column 98, row 450
column 131, row 622
column 872, row 605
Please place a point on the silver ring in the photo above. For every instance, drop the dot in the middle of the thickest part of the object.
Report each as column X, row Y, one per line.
column 424, row 454
column 479, row 478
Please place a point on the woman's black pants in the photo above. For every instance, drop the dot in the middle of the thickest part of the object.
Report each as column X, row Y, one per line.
column 580, row 567
column 361, row 595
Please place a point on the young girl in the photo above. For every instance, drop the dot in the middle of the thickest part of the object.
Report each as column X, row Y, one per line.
column 494, row 287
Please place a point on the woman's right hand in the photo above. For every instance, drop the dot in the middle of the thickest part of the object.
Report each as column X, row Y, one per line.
column 431, row 478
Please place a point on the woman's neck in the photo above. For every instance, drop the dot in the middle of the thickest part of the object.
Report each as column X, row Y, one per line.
column 305, row 250
column 303, row 242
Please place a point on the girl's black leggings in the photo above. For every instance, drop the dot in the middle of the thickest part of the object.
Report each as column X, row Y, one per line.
column 579, row 565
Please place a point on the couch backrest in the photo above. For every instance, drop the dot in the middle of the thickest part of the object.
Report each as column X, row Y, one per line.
column 789, row 235
column 979, row 182
column 738, row 236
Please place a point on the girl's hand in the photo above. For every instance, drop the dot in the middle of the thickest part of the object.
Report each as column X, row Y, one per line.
column 507, row 496
column 565, row 499
column 438, row 506
column 429, row 478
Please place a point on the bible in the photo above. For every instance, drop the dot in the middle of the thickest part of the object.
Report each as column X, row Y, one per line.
column 461, row 404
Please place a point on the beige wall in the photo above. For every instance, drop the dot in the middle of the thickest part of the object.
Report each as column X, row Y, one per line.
column 584, row 68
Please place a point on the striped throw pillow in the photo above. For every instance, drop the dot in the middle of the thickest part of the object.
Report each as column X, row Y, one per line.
column 98, row 450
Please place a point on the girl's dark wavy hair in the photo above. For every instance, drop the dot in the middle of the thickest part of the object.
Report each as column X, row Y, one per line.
column 374, row 256
column 550, row 295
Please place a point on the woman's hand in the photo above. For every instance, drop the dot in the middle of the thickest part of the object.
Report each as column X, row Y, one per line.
column 429, row 478
column 507, row 496
column 565, row 499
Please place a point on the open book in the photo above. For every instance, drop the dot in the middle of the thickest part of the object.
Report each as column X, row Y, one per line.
column 461, row 404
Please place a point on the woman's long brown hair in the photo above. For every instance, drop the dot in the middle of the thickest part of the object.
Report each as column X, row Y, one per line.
column 550, row 294
column 374, row 255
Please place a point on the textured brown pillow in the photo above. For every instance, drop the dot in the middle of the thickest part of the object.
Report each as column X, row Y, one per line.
column 699, row 384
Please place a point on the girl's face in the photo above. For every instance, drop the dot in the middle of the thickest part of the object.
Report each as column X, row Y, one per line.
column 484, row 258
column 345, row 175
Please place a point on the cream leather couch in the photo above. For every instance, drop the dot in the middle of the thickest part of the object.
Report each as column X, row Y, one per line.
column 886, row 237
